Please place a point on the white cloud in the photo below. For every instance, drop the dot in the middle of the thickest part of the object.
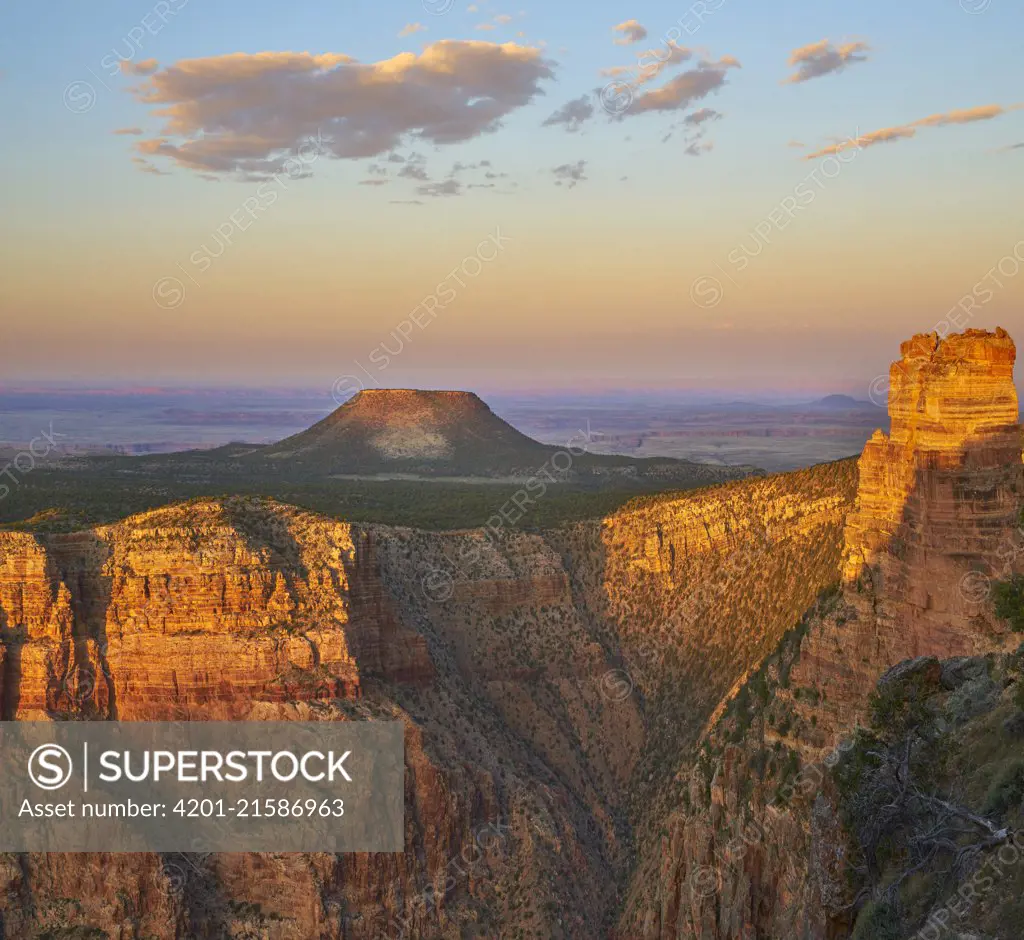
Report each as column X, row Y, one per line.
column 247, row 113
column 629, row 32
column 701, row 116
column 685, row 89
column 823, row 58
column 649, row 65
column 142, row 67
column 572, row 115
column 905, row 131
column 570, row 174
column 449, row 187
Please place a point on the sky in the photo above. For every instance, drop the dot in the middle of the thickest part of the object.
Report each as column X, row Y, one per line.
column 724, row 194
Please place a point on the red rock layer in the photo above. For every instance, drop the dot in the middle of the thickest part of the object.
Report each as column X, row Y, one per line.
column 937, row 509
column 181, row 613
column 953, row 410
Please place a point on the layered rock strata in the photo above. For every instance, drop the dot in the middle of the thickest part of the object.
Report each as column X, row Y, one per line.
column 753, row 847
column 535, row 674
column 937, row 519
column 195, row 612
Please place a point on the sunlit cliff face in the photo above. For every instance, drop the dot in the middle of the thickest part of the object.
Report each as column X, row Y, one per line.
column 953, row 409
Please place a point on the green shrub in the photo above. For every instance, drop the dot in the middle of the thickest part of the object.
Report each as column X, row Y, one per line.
column 973, row 698
column 901, row 705
column 759, row 684
column 1006, row 791
column 1008, row 601
column 877, row 921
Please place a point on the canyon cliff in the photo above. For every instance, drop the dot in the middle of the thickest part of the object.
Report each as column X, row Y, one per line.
column 542, row 679
column 754, row 846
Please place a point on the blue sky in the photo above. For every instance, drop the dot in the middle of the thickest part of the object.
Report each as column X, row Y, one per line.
column 596, row 285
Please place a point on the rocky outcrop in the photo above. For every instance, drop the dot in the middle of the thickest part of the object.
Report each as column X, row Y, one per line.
column 936, row 518
column 198, row 611
column 35, row 624
column 953, row 411
column 690, row 594
column 411, row 431
column 754, row 846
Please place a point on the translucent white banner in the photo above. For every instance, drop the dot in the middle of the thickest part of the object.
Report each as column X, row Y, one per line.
column 202, row 786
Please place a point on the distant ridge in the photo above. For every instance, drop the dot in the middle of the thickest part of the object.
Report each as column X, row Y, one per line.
column 841, row 402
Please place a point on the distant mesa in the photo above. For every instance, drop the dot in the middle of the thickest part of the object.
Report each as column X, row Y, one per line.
column 423, row 429
column 455, row 434
column 841, row 403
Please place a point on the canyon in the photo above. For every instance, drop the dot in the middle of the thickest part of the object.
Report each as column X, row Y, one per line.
column 596, row 713
column 522, row 664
